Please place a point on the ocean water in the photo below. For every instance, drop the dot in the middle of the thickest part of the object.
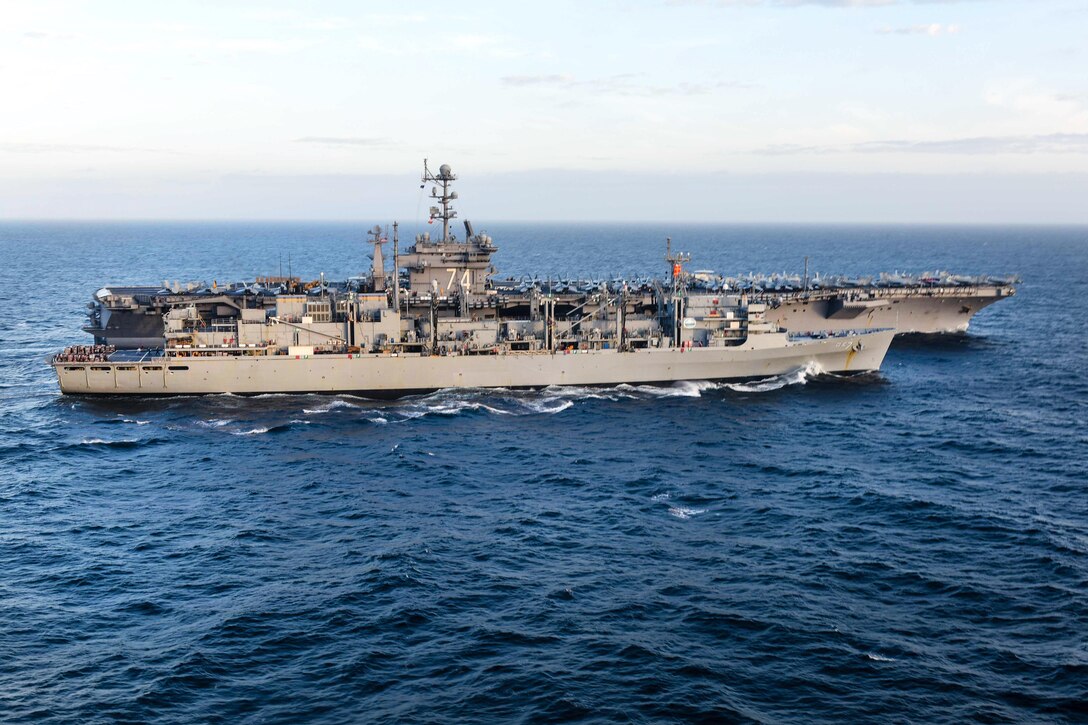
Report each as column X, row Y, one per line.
column 908, row 546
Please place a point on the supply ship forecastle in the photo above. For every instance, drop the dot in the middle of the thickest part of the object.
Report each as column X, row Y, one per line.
column 440, row 321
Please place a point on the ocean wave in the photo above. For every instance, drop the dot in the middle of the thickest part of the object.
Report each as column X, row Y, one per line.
column 679, row 389
column 547, row 406
column 122, row 421
column 116, row 444
column 878, row 658
column 581, row 392
column 800, row 376
column 546, row 401
column 336, row 404
column 101, row 442
column 452, row 402
column 261, row 430
column 684, row 512
column 453, row 407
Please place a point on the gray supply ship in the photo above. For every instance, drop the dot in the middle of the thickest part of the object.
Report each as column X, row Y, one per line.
column 441, row 321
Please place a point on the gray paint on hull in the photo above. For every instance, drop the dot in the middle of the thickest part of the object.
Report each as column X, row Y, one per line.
column 926, row 315
column 764, row 356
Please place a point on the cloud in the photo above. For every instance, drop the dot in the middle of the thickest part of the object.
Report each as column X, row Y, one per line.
column 1052, row 143
column 465, row 44
column 1045, row 107
column 259, row 45
column 17, row 147
column 544, row 80
column 343, row 141
column 395, row 18
column 930, row 29
column 620, row 84
column 818, row 3
column 489, row 45
column 326, row 24
column 40, row 35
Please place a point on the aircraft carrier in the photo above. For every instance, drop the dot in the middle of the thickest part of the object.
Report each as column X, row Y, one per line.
column 130, row 317
column 440, row 320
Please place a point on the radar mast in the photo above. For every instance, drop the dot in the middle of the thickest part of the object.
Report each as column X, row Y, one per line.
column 445, row 176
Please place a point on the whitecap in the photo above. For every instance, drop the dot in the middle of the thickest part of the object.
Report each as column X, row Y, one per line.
column 448, row 408
column 252, row 432
column 123, row 443
column 547, row 406
column 661, row 497
column 679, row 389
column 878, row 658
column 800, row 376
column 329, row 407
column 683, row 512
column 577, row 392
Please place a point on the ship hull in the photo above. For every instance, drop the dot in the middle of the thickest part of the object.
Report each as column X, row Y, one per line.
column 390, row 376
column 913, row 313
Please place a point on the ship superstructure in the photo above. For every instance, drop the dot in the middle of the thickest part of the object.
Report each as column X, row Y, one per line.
column 441, row 321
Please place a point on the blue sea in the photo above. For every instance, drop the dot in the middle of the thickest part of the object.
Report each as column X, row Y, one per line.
column 908, row 547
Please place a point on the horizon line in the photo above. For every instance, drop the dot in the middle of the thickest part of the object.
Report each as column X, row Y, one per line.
column 624, row 222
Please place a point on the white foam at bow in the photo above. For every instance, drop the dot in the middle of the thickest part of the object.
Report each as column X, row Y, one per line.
column 800, row 376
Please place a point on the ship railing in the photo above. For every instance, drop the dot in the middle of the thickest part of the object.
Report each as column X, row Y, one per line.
column 85, row 353
column 828, row 334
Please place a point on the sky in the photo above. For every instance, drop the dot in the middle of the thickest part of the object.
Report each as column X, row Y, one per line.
column 927, row 111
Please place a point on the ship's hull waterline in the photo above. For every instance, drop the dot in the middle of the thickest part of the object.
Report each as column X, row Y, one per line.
column 380, row 375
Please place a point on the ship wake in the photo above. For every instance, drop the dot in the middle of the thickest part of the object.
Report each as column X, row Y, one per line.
column 800, row 376
column 553, row 400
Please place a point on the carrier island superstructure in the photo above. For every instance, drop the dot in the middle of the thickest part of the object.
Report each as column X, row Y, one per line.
column 440, row 321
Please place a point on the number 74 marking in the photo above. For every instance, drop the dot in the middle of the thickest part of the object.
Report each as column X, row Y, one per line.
column 466, row 278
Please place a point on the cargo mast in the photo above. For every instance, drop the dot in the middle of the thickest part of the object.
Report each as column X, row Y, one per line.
column 676, row 262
